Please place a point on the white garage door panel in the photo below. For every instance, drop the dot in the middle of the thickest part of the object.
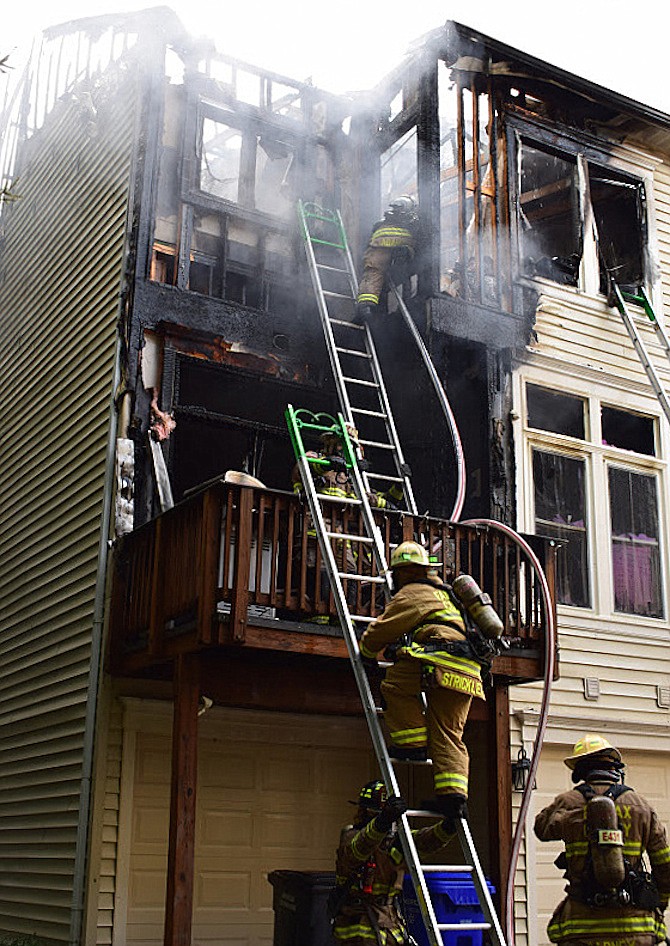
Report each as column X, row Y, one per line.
column 272, row 794
column 648, row 772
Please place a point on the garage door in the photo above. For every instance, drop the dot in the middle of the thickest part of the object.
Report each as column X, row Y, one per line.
column 272, row 794
column 648, row 772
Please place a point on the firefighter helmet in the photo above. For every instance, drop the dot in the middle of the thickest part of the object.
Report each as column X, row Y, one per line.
column 403, row 205
column 591, row 744
column 411, row 553
column 372, row 796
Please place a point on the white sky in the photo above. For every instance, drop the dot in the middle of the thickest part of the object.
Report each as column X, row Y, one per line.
column 346, row 45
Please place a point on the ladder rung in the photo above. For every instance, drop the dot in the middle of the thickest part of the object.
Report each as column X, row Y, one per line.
column 332, row 269
column 385, row 477
column 353, row 351
column 355, row 325
column 337, row 246
column 363, row 410
column 363, row 618
column 372, row 579
column 350, row 536
column 463, row 926
column 375, row 443
column 336, row 295
column 366, row 384
column 340, row 500
column 446, row 868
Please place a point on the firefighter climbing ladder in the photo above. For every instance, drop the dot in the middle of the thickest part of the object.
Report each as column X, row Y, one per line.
column 336, row 288
column 641, row 298
column 299, row 421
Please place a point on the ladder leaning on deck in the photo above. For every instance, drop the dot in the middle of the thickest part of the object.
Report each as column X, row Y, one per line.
column 304, row 422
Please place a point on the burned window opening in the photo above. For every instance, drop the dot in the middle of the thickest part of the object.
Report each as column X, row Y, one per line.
column 549, row 212
column 233, row 419
column 472, row 214
column 559, row 192
column 248, row 166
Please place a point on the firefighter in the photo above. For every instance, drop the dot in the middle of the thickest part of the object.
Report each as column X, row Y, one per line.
column 370, row 868
column 601, row 908
column 392, row 240
column 437, row 658
column 336, row 481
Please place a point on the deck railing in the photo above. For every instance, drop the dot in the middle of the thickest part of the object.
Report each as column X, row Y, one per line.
column 230, row 556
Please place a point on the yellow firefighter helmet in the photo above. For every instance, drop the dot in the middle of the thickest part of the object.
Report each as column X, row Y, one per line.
column 411, row 553
column 592, row 744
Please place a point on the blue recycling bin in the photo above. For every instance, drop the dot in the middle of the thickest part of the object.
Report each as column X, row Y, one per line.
column 454, row 900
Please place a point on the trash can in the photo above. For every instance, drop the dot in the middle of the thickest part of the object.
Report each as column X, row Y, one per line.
column 454, row 900
column 300, row 901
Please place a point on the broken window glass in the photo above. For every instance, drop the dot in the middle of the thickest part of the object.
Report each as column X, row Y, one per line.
column 557, row 413
column 560, row 513
column 635, row 543
column 221, row 158
column 274, row 160
column 549, row 225
column 619, row 214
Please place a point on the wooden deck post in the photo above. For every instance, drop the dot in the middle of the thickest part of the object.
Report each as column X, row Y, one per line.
column 500, row 790
column 181, row 846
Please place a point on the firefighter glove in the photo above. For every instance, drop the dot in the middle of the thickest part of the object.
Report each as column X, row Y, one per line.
column 337, row 464
column 394, row 807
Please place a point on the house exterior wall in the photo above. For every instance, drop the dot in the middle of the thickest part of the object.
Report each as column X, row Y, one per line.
column 61, row 262
column 581, row 348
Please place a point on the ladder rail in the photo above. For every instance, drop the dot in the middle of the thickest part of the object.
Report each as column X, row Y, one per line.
column 361, row 678
column 370, row 353
column 641, row 350
column 658, row 326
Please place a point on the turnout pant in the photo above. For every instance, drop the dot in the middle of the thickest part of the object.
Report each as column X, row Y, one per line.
column 440, row 729
column 376, row 263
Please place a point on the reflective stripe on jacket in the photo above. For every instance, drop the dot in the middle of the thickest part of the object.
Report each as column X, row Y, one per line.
column 426, row 611
column 391, row 236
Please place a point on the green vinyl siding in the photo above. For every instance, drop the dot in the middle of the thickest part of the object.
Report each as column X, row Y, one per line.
column 61, row 275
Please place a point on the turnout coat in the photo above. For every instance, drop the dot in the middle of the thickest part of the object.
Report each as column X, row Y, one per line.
column 574, row 919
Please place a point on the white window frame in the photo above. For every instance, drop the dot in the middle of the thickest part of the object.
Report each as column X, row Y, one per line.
column 597, row 458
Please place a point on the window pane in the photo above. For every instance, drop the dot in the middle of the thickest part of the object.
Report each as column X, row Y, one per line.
column 628, row 431
column 220, row 162
column 635, row 547
column 558, row 413
column 549, row 215
column 560, row 513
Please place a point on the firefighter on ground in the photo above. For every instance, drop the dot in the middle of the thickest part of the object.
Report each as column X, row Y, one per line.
column 335, row 480
column 436, row 658
column 607, row 828
column 392, row 240
column 365, row 905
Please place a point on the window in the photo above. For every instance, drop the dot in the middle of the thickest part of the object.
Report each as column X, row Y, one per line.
column 579, row 220
column 635, row 543
column 596, row 486
column 247, row 167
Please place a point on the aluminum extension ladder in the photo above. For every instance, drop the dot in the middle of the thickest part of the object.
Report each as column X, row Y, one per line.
column 641, row 298
column 353, row 358
column 303, row 420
